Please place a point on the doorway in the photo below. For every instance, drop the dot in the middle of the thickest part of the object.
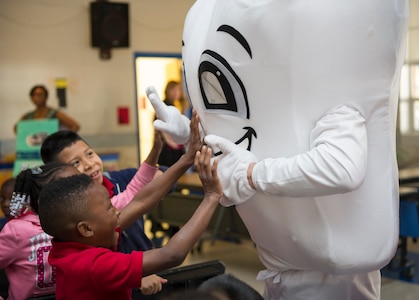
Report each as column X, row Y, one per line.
column 152, row 69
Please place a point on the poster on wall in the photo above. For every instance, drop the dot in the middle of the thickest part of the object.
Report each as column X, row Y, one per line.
column 30, row 135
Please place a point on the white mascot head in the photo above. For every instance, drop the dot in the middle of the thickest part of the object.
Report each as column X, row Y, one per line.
column 285, row 80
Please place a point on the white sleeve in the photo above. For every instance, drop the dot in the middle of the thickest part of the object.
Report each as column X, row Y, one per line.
column 336, row 162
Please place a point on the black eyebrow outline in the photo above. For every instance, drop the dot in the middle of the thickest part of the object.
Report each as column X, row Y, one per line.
column 238, row 36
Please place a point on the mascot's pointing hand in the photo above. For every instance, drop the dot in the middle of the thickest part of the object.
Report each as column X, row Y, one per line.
column 169, row 119
column 232, row 169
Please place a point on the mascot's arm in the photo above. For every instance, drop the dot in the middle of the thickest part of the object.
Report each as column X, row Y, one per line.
column 336, row 162
column 169, row 119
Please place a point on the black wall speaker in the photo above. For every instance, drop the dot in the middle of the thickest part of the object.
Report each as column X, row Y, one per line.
column 109, row 24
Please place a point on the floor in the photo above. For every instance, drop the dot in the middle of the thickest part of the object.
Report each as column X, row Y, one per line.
column 241, row 260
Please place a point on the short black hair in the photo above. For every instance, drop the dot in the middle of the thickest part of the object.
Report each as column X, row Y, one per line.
column 38, row 86
column 8, row 183
column 63, row 202
column 57, row 142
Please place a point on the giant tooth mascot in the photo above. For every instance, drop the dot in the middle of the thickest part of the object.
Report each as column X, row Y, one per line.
column 299, row 98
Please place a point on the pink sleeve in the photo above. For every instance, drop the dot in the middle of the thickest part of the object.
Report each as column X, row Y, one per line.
column 143, row 176
column 8, row 246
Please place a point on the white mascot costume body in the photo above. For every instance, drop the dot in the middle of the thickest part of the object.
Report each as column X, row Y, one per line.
column 300, row 97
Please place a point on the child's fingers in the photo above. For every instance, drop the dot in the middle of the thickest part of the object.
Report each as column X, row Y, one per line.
column 196, row 161
column 194, row 121
column 201, row 157
column 195, row 139
column 206, row 161
column 203, row 162
column 208, row 156
column 214, row 168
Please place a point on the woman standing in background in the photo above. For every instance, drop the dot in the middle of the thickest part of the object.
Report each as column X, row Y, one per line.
column 172, row 151
column 39, row 96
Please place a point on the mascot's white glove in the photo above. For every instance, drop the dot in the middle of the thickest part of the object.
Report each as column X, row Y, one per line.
column 232, row 170
column 169, row 119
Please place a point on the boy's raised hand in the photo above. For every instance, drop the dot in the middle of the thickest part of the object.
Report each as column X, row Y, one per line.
column 158, row 141
column 208, row 174
column 153, row 156
column 195, row 142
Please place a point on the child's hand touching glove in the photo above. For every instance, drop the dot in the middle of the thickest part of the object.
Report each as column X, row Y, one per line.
column 233, row 170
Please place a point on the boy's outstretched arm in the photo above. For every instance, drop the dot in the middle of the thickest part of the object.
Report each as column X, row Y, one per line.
column 147, row 171
column 154, row 191
column 153, row 157
column 181, row 243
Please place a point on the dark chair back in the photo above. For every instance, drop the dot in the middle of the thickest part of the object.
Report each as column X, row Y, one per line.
column 185, row 278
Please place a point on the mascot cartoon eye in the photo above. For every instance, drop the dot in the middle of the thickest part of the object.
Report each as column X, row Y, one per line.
column 221, row 89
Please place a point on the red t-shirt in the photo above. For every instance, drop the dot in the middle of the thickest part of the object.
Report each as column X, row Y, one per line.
column 86, row 273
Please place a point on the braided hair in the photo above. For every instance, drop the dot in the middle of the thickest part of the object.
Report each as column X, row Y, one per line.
column 29, row 184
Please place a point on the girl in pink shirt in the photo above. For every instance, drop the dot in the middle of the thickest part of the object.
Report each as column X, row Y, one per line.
column 24, row 246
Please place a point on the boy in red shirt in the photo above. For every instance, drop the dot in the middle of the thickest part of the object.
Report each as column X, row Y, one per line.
column 78, row 213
